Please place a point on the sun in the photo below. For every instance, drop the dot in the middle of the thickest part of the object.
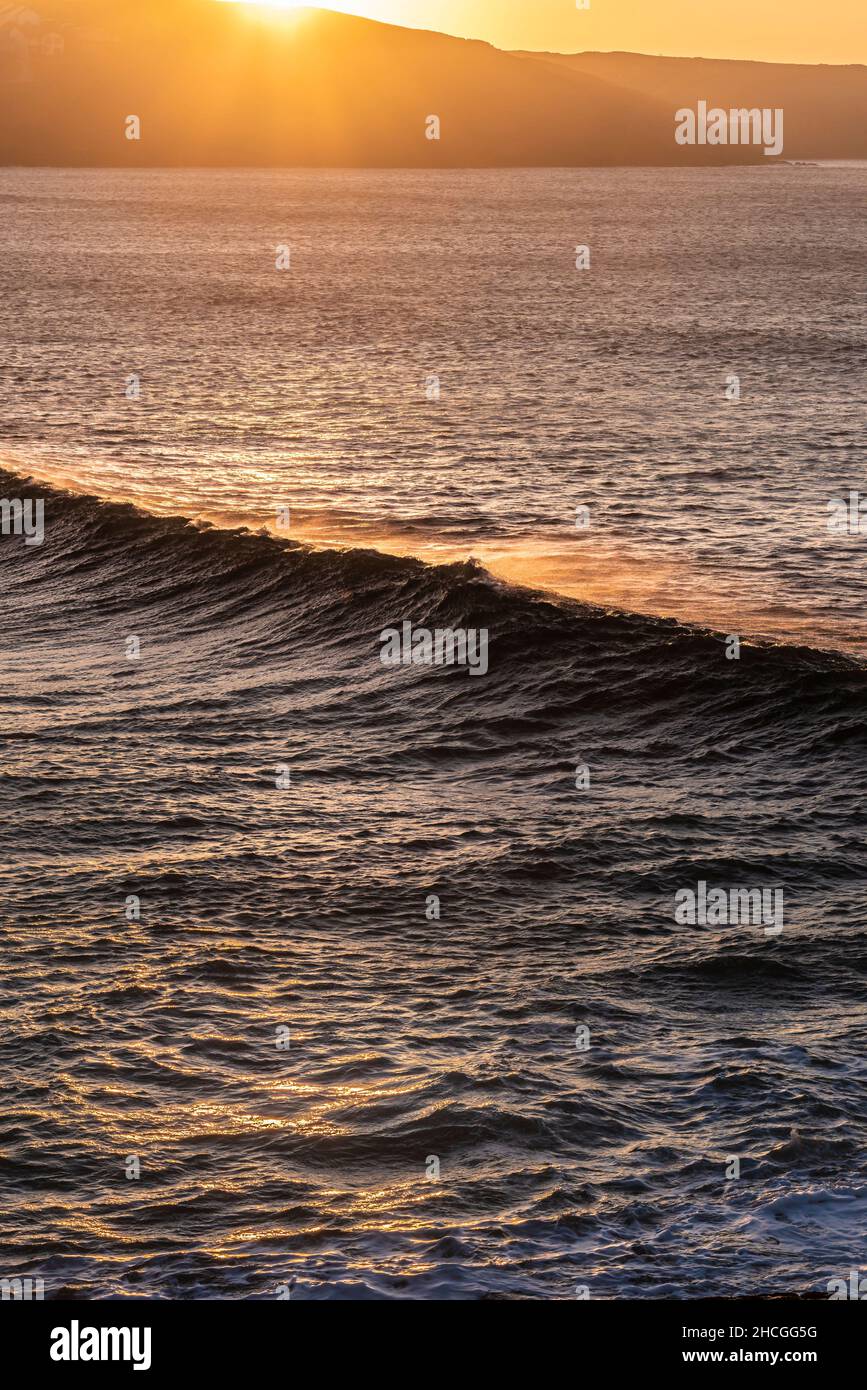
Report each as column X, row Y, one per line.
column 280, row 4
column 296, row 12
column 360, row 8
column 356, row 7
column 274, row 10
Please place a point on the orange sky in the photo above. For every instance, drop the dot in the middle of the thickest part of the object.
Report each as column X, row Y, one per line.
column 803, row 31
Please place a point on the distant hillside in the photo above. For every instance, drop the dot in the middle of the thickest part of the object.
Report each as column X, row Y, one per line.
column 215, row 84
column 825, row 107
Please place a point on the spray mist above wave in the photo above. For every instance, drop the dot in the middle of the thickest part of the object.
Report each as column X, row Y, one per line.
column 95, row 547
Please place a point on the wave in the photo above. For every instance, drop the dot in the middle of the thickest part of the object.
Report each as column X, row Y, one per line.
column 661, row 691
column 91, row 540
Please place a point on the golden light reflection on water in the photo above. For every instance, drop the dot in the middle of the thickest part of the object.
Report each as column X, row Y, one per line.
column 585, row 570
column 138, row 1124
column 620, row 575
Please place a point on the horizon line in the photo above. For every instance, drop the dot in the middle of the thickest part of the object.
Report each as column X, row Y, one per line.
column 540, row 52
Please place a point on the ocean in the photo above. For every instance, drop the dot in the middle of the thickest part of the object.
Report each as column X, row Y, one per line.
column 328, row 979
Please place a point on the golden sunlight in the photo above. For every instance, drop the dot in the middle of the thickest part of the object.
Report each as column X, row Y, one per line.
column 339, row 5
column 274, row 4
column 273, row 8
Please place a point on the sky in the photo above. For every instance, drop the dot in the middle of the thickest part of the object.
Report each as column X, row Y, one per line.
column 802, row 31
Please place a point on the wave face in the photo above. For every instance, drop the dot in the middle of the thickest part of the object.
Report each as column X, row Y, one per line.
column 413, row 1039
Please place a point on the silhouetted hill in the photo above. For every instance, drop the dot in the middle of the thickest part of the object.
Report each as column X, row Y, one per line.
column 825, row 106
column 215, row 84
column 223, row 84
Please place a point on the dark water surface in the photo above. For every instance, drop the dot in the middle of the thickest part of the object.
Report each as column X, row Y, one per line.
column 304, row 906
